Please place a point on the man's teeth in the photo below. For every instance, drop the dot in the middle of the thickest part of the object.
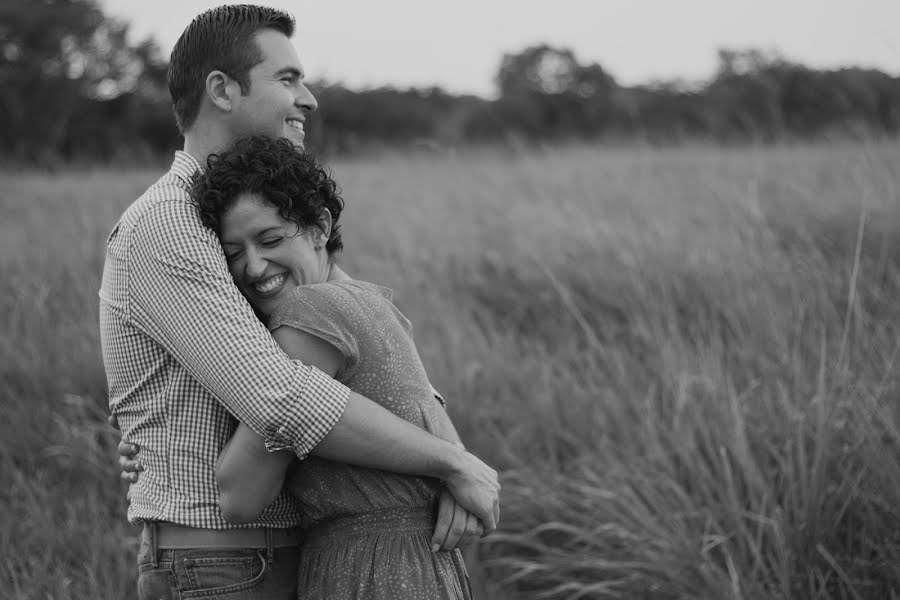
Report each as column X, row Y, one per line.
column 269, row 285
column 295, row 125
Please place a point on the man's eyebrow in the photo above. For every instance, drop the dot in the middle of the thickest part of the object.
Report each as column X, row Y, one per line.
column 290, row 71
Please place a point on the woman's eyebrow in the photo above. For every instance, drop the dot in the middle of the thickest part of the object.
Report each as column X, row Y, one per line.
column 267, row 230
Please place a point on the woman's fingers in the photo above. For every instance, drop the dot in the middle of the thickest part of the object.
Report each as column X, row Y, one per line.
column 446, row 506
column 457, row 528
column 127, row 450
column 129, row 465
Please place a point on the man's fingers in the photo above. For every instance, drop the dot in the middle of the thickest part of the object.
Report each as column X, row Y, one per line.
column 479, row 529
column 113, row 421
column 129, row 477
column 471, row 532
column 477, row 489
column 496, row 514
column 490, row 522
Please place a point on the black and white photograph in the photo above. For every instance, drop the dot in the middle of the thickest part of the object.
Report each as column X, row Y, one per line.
column 482, row 300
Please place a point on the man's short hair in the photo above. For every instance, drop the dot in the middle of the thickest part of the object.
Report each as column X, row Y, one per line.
column 222, row 38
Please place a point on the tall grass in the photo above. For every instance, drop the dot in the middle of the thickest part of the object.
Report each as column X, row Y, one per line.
column 682, row 361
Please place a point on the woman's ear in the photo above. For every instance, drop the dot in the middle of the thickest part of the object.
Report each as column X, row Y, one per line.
column 324, row 229
column 220, row 89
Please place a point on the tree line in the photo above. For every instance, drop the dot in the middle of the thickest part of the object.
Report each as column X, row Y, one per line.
column 73, row 88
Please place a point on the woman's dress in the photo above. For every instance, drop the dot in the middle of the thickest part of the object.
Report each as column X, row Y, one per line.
column 368, row 532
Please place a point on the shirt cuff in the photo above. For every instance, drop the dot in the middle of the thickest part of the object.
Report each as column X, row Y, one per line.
column 324, row 401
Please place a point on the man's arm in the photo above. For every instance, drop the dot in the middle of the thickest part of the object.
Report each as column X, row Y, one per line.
column 369, row 435
column 249, row 477
column 455, row 526
column 184, row 298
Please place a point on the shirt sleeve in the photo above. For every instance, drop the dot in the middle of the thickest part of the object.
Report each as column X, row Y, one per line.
column 182, row 295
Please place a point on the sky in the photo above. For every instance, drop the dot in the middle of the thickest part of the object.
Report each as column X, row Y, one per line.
column 458, row 45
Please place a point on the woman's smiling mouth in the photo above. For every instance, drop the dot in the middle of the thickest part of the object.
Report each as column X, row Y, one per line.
column 269, row 285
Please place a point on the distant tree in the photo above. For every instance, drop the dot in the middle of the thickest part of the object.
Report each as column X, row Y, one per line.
column 538, row 69
column 56, row 58
column 548, row 70
column 545, row 91
column 763, row 96
column 73, row 87
column 746, row 94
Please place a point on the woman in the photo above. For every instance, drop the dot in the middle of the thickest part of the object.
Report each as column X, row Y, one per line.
column 367, row 532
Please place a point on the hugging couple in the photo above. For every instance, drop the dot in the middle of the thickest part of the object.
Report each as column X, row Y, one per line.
column 278, row 427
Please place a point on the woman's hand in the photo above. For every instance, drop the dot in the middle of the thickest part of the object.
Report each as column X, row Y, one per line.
column 455, row 527
column 127, row 452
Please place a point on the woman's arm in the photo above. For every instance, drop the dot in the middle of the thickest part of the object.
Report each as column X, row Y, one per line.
column 249, row 476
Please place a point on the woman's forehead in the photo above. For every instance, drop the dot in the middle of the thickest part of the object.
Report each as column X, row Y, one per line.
column 250, row 212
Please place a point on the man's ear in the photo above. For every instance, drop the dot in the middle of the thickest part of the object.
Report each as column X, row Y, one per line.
column 221, row 90
column 324, row 229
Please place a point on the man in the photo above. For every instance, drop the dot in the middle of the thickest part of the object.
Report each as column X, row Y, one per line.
column 184, row 353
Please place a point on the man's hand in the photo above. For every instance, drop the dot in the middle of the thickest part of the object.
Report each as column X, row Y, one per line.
column 476, row 487
column 455, row 525
column 127, row 451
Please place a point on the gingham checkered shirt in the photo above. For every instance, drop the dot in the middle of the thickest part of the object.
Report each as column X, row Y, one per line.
column 184, row 352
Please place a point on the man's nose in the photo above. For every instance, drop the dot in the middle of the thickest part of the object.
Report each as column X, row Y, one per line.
column 305, row 99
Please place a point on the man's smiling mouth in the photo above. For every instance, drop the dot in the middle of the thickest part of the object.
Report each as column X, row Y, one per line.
column 296, row 125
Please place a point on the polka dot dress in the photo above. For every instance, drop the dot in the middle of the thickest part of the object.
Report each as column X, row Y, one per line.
column 368, row 532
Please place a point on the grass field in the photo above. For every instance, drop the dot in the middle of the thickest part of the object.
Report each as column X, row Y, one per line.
column 683, row 362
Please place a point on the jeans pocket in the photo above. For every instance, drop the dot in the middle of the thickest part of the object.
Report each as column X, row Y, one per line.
column 157, row 584
column 218, row 575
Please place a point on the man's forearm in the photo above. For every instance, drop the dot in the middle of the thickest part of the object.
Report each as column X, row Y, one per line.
column 444, row 427
column 369, row 435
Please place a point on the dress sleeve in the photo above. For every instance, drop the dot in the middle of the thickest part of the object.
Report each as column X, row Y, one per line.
column 328, row 312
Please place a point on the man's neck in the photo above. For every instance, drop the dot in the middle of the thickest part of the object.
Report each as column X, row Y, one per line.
column 200, row 142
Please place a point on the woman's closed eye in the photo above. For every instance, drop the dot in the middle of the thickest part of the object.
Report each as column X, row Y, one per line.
column 270, row 242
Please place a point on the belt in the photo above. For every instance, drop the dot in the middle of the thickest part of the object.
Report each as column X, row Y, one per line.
column 180, row 537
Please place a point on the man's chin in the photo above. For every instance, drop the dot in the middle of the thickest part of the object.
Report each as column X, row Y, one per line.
column 295, row 138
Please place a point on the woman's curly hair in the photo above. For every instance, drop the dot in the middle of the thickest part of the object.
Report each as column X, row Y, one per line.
column 291, row 180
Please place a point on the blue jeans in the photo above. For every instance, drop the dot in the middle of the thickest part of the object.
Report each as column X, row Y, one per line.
column 230, row 574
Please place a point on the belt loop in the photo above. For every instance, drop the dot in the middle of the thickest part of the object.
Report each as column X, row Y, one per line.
column 270, row 545
column 153, row 527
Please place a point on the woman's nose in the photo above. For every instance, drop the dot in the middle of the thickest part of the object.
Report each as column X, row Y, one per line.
column 256, row 265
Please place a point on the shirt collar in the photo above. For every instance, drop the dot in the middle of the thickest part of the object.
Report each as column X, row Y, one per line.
column 184, row 167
